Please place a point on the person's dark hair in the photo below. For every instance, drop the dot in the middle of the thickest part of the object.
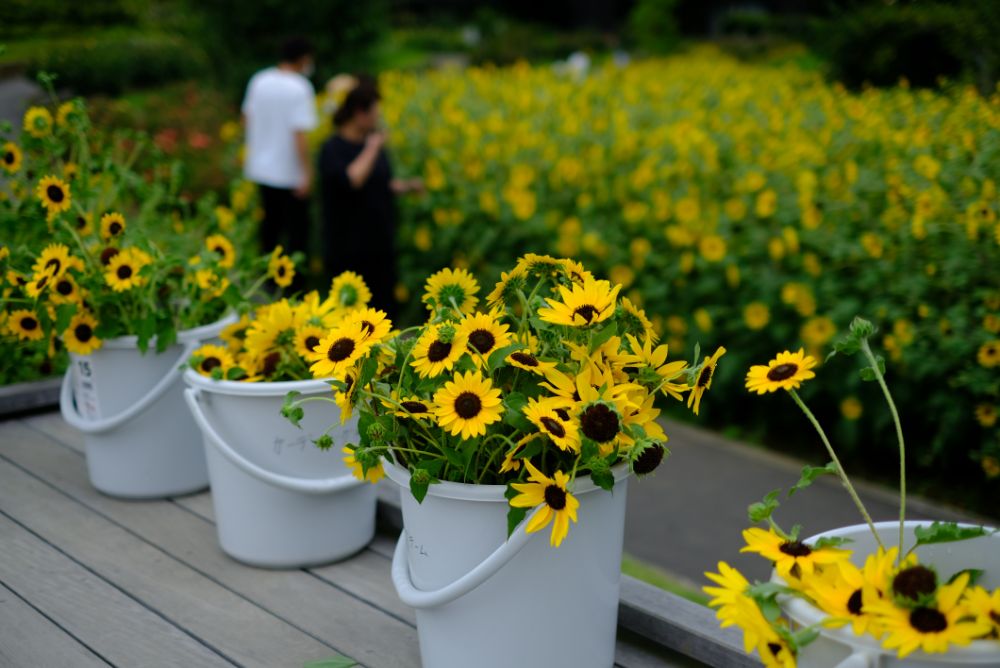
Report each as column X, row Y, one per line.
column 360, row 98
column 294, row 48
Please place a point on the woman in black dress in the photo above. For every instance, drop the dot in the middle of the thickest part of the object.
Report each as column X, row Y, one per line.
column 359, row 196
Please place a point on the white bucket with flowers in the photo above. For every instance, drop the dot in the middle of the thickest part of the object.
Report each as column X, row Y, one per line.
column 874, row 595
column 280, row 501
column 526, row 417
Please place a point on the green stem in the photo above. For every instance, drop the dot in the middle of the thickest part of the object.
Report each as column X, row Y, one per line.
column 899, row 438
column 836, row 462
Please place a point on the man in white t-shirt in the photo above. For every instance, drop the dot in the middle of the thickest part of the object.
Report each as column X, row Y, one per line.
column 279, row 110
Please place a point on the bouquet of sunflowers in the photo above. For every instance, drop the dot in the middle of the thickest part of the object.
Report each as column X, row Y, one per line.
column 888, row 595
column 554, row 377
column 100, row 242
column 282, row 340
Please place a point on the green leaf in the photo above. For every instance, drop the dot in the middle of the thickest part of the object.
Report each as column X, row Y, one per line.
column 603, row 479
column 236, row 373
column 290, row 411
column 760, row 511
column 831, row 541
column 420, row 481
column 602, row 336
column 770, row 608
column 946, row 532
column 809, row 474
column 514, row 515
column 805, row 636
column 332, row 662
column 497, row 357
column 64, row 313
column 974, row 575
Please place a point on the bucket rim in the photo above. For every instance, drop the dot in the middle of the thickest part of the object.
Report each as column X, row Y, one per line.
column 462, row 491
column 807, row 614
column 241, row 388
column 207, row 331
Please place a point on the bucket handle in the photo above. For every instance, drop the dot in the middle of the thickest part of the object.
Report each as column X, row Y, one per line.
column 417, row 598
column 303, row 485
column 70, row 413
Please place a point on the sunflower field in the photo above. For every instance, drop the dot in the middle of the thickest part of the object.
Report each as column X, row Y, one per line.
column 756, row 207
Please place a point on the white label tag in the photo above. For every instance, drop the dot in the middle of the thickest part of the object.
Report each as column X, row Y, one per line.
column 85, row 390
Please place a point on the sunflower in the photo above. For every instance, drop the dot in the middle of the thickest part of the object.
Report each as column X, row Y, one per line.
column 223, row 248
column 784, row 372
column 704, row 381
column 989, row 354
column 339, row 351
column 209, row 357
column 414, row 408
column 348, row 290
column 933, row 627
column 451, row 288
column 375, row 473
column 65, row 291
column 54, row 194
column 541, row 266
column 346, row 398
column 985, row 607
column 66, row 112
column 53, row 261
column 39, row 283
column 435, row 352
column 734, row 607
column 307, row 338
column 633, row 320
column 484, row 333
column 25, row 325
column 273, row 326
column 543, row 414
column 602, row 407
column 112, row 225
column 10, row 157
column 466, row 404
column 84, row 224
column 556, row 501
column 235, row 334
column 522, row 359
column 843, row 594
column 792, row 558
column 123, row 270
column 375, row 323
column 506, row 289
column 280, row 268
column 645, row 355
column 583, row 305
column 38, row 122
column 80, row 337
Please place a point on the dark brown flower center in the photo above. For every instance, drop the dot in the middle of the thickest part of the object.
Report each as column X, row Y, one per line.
column 367, row 327
column 555, row 497
column 54, row 264
column 107, row 254
column 438, row 351
column 482, row 340
column 599, row 423
column 270, row 363
column 220, row 251
column 114, row 228
column 553, row 427
column 55, row 193
column 854, row 603
column 587, row 312
column 281, row 271
column 311, row 342
column 340, row 350
column 525, row 359
column 705, row 377
column 124, row 272
column 562, row 413
column 414, row 406
column 774, row 648
column 81, row 222
column 649, row 459
column 468, row 405
column 210, row 363
column 8, row 157
column 914, row 582
column 64, row 287
column 28, row 323
column 795, row 548
column 42, row 282
column 782, row 372
column 995, row 616
column 928, row 620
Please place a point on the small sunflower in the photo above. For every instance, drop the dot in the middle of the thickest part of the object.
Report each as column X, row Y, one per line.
column 347, row 397
column 112, row 225
column 784, row 372
column 522, row 359
column 348, row 290
column 734, row 607
column 25, row 325
column 274, row 324
column 644, row 355
column 633, row 320
column 375, row 323
column 39, row 283
column 10, row 157
column 53, row 261
column 235, row 334
column 792, row 559
column 66, row 112
column 80, row 337
column 704, row 381
column 575, row 271
column 545, row 414
column 583, row 305
column 541, row 266
column 307, row 338
column 84, row 224
column 484, row 333
column 466, row 404
column 506, row 289
column 123, row 270
column 843, row 594
column 280, row 268
column 38, row 122
column 559, row 506
column 339, row 351
column 414, row 408
column 223, row 248
column 65, row 291
column 451, row 288
column 209, row 357
column 436, row 352
column 374, row 474
column 985, row 607
column 989, row 354
column 54, row 194
column 70, row 170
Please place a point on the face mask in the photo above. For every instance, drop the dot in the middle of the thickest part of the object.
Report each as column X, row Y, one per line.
column 309, row 69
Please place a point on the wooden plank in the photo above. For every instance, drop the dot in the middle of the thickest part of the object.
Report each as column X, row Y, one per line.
column 20, row 397
column 635, row 651
column 679, row 624
column 328, row 611
column 54, row 425
column 199, row 504
column 192, row 601
column 115, row 626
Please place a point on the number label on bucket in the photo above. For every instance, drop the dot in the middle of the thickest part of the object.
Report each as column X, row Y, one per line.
column 85, row 390
column 417, row 548
column 299, row 444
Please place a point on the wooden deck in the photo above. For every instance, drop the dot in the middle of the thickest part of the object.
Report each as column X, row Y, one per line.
column 88, row 580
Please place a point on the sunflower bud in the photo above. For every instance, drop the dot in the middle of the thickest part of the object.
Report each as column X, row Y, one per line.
column 446, row 333
column 376, row 433
column 420, row 477
column 324, row 442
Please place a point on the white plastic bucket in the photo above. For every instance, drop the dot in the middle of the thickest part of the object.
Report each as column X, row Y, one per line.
column 478, row 594
column 139, row 436
column 280, row 502
column 841, row 648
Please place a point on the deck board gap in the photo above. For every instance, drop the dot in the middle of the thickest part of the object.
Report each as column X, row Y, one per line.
column 359, row 598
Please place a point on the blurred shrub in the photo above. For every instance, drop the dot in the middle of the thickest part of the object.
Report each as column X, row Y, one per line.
column 653, row 26
column 31, row 18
